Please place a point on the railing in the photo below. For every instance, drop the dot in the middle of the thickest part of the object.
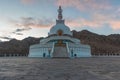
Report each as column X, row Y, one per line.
column 106, row 55
column 59, row 37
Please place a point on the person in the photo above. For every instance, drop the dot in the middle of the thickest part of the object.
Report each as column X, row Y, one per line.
column 75, row 55
column 44, row 54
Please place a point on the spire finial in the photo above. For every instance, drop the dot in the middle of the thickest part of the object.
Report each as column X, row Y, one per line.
column 60, row 13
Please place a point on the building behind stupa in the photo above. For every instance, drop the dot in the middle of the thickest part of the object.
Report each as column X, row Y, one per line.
column 60, row 43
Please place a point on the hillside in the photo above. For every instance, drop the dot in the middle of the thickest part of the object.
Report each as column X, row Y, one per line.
column 99, row 43
column 17, row 46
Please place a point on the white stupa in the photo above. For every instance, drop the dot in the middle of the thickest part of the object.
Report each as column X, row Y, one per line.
column 59, row 43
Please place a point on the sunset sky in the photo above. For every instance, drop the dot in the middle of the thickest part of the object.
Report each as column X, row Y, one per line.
column 23, row 18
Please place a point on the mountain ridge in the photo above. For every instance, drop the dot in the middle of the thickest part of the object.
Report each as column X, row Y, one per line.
column 100, row 44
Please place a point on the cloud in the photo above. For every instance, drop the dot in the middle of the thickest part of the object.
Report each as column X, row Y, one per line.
column 80, row 22
column 111, row 19
column 26, row 2
column 18, row 31
column 23, row 29
column 30, row 22
column 6, row 38
column 97, row 21
column 101, row 12
column 27, row 23
column 85, row 5
column 115, row 24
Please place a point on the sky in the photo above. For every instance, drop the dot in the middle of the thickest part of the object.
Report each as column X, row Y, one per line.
column 24, row 18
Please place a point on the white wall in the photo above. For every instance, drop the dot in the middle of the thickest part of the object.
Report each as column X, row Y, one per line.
column 80, row 50
column 39, row 50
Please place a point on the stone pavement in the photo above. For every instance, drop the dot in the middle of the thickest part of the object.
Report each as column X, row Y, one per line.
column 60, row 69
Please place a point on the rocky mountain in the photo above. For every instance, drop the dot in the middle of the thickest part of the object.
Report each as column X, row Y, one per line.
column 18, row 46
column 100, row 44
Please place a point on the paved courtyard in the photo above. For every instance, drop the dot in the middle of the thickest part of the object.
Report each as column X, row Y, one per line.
column 60, row 69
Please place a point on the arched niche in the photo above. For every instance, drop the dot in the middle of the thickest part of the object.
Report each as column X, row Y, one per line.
column 60, row 32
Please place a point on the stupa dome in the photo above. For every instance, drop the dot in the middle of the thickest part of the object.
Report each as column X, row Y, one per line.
column 60, row 28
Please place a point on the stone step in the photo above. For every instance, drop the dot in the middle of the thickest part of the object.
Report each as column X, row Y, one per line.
column 60, row 51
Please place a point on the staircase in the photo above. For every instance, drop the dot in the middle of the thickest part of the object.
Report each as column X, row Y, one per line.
column 60, row 52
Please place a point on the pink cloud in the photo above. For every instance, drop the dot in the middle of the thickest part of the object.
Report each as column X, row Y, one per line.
column 97, row 21
column 31, row 22
column 28, row 1
column 83, row 22
column 102, row 12
column 115, row 24
column 85, row 5
column 109, row 19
